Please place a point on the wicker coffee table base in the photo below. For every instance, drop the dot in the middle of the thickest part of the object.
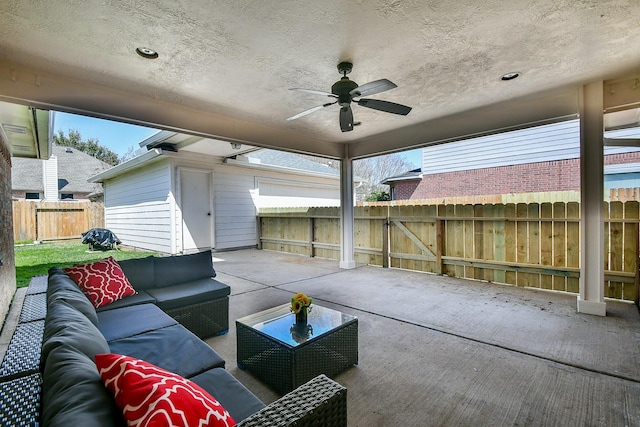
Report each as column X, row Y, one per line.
column 284, row 368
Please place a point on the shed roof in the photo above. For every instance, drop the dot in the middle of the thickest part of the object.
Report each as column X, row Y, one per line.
column 291, row 161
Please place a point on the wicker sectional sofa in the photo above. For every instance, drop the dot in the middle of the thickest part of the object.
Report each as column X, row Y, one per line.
column 183, row 286
column 49, row 374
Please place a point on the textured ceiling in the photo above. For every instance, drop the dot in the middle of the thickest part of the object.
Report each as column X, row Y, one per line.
column 238, row 59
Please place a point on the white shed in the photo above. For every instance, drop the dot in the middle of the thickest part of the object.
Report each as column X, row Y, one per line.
column 182, row 196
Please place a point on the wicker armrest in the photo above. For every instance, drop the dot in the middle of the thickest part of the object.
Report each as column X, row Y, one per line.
column 23, row 353
column 319, row 402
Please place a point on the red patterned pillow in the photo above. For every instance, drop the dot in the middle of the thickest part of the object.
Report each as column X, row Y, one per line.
column 103, row 282
column 151, row 396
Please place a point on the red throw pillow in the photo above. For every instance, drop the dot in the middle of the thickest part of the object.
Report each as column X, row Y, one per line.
column 103, row 282
column 151, row 396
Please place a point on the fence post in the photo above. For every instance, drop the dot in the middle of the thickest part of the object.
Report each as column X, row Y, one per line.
column 259, row 231
column 312, row 223
column 385, row 242
column 439, row 240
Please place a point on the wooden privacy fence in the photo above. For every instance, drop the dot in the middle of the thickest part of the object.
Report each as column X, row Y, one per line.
column 55, row 220
column 526, row 244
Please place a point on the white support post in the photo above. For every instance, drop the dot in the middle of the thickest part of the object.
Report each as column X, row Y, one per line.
column 347, row 259
column 591, row 297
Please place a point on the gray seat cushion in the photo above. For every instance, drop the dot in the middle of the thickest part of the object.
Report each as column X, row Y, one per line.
column 177, row 269
column 65, row 325
column 139, row 272
column 61, row 286
column 189, row 293
column 133, row 320
column 140, row 298
column 231, row 394
column 173, row 348
column 73, row 393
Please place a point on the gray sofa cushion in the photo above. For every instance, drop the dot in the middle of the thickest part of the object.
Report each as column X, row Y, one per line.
column 73, row 393
column 189, row 293
column 140, row 298
column 64, row 325
column 231, row 394
column 139, row 272
column 178, row 269
column 63, row 287
column 133, row 320
column 173, row 348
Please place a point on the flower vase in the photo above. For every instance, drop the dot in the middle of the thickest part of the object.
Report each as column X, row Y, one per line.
column 301, row 316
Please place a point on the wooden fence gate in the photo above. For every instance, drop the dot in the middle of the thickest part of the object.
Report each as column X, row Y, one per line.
column 525, row 244
column 54, row 220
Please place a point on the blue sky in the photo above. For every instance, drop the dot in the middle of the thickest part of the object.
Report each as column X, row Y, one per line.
column 414, row 157
column 118, row 137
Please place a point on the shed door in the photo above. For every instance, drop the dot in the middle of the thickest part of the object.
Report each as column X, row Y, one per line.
column 197, row 210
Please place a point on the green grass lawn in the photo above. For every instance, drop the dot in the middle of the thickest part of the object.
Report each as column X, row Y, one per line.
column 33, row 260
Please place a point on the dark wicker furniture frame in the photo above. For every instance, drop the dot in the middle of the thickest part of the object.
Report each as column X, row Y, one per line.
column 20, row 378
column 320, row 402
column 284, row 367
column 204, row 319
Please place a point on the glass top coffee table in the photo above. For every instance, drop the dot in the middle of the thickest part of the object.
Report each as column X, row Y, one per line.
column 284, row 354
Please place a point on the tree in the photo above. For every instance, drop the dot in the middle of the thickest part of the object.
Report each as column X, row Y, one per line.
column 374, row 170
column 130, row 154
column 91, row 146
column 379, row 196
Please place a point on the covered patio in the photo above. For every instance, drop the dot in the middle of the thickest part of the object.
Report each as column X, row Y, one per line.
column 437, row 350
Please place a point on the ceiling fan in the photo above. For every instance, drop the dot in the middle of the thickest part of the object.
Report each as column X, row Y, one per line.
column 344, row 91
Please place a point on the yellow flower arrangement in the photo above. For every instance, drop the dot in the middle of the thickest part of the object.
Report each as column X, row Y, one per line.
column 300, row 302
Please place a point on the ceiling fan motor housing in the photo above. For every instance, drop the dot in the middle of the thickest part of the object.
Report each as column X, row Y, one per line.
column 342, row 89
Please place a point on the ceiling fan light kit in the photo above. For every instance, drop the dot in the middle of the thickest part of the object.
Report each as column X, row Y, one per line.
column 344, row 91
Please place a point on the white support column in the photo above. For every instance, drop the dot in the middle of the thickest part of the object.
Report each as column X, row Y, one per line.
column 347, row 259
column 591, row 297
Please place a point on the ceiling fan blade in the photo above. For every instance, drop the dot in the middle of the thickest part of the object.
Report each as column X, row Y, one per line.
column 372, row 88
column 310, row 110
column 346, row 119
column 316, row 92
column 386, row 106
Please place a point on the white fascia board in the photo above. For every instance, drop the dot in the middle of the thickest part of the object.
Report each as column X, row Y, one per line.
column 157, row 137
column 131, row 164
column 262, row 166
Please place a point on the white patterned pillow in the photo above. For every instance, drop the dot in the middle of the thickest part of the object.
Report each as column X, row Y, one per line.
column 151, row 396
column 103, row 282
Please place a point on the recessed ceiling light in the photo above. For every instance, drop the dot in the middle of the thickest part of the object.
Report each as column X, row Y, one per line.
column 145, row 52
column 510, row 76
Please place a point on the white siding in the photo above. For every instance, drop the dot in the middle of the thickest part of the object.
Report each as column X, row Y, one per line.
column 234, row 207
column 286, row 193
column 138, row 207
column 50, row 178
column 238, row 193
column 538, row 144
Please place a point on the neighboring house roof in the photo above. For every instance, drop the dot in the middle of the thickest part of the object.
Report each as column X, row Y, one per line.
column 74, row 168
column 411, row 175
column 291, row 161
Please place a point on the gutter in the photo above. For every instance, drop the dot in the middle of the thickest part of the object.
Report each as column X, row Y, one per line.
column 247, row 164
column 134, row 163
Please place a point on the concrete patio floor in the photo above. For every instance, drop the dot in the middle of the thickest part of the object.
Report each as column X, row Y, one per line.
column 439, row 351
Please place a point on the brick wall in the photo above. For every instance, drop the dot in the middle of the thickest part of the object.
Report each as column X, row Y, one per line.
column 7, row 269
column 558, row 175
column 405, row 190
